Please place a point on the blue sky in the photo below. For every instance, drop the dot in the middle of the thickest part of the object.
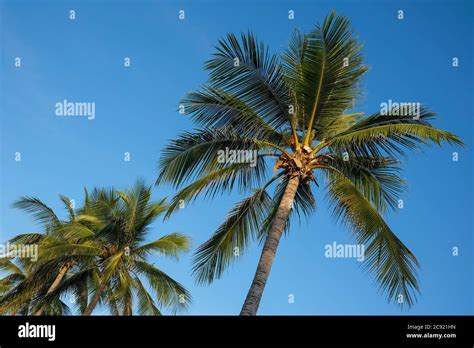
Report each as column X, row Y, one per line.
column 82, row 60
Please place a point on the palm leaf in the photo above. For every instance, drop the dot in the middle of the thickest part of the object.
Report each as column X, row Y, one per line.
column 323, row 85
column 27, row 238
column 392, row 263
column 246, row 70
column 211, row 107
column 146, row 305
column 40, row 211
column 194, row 155
column 240, row 226
column 377, row 178
column 221, row 181
column 68, row 205
column 169, row 245
column 379, row 134
column 169, row 292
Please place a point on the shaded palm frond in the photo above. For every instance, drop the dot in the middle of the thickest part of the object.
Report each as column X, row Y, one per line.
column 170, row 293
column 211, row 107
column 197, row 154
column 221, row 181
column 40, row 211
column 232, row 237
column 386, row 257
column 246, row 70
column 377, row 178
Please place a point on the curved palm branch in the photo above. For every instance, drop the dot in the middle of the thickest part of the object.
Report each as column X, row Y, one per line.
column 392, row 262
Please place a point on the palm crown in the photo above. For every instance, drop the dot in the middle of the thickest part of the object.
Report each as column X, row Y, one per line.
column 292, row 110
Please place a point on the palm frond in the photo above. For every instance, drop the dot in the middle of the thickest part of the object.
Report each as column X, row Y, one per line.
column 241, row 225
column 169, row 245
column 9, row 266
column 194, row 155
column 169, row 293
column 246, row 70
column 212, row 107
column 377, row 178
column 378, row 135
column 146, row 304
column 27, row 238
column 221, row 181
column 323, row 69
column 386, row 257
column 68, row 205
column 40, row 211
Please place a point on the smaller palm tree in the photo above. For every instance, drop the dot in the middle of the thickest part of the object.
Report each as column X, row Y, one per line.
column 123, row 270
column 19, row 294
column 17, row 273
column 98, row 254
column 45, row 274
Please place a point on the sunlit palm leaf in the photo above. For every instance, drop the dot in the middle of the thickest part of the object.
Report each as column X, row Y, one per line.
column 146, row 305
column 323, row 69
column 169, row 245
column 379, row 134
column 213, row 107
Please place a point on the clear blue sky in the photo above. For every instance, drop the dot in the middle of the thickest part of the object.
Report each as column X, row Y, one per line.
column 82, row 60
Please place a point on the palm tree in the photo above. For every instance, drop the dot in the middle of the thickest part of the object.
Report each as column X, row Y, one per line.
column 26, row 289
column 98, row 254
column 35, row 290
column 123, row 271
column 294, row 113
column 17, row 273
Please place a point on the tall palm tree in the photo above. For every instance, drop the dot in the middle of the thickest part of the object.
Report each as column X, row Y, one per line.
column 294, row 113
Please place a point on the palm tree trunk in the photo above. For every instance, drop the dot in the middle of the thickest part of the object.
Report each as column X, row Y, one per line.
column 95, row 299
column 277, row 227
column 62, row 272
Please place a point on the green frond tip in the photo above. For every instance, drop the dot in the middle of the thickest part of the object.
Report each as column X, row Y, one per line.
column 169, row 245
